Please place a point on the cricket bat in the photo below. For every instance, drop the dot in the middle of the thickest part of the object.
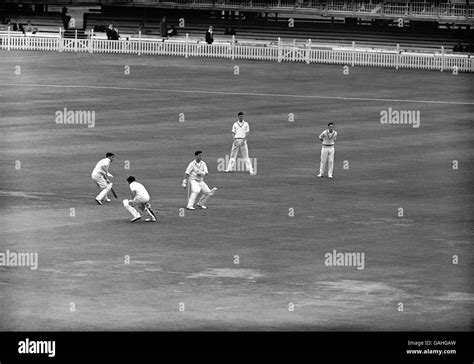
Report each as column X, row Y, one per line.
column 112, row 190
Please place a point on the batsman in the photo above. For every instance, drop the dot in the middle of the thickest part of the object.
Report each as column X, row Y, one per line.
column 240, row 132
column 140, row 199
column 101, row 175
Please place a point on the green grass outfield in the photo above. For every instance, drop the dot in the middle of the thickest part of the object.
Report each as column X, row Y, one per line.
column 190, row 260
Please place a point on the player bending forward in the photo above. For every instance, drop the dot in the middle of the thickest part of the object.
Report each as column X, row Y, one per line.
column 101, row 176
column 240, row 132
column 140, row 199
column 194, row 175
column 327, row 137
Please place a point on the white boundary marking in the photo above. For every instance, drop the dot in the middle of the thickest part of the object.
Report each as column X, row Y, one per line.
column 230, row 93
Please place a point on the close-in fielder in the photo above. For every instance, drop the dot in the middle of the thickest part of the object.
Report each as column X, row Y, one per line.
column 327, row 137
column 240, row 132
column 101, row 176
column 194, row 175
column 140, row 199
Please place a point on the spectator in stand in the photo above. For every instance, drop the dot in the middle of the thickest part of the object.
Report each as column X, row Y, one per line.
column 16, row 26
column 116, row 34
column 20, row 27
column 141, row 28
column 65, row 18
column 458, row 47
column 108, row 31
column 29, row 27
column 164, row 28
column 112, row 33
column 210, row 35
column 172, row 32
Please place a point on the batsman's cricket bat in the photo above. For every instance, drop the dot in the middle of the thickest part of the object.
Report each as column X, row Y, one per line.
column 113, row 193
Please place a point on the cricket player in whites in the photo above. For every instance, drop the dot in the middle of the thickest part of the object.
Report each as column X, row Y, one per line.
column 240, row 131
column 194, row 182
column 101, row 176
column 140, row 199
column 327, row 137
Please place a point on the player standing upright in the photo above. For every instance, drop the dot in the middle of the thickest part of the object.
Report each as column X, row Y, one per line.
column 240, row 132
column 140, row 199
column 194, row 175
column 327, row 137
column 101, row 176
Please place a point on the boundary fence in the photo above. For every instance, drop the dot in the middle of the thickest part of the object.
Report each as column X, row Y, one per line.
column 279, row 51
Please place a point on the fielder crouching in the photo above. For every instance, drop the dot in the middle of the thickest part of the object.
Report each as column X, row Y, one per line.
column 140, row 199
column 194, row 176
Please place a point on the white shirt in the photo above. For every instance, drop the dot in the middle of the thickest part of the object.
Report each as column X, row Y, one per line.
column 101, row 168
column 240, row 130
column 327, row 137
column 140, row 191
column 194, row 168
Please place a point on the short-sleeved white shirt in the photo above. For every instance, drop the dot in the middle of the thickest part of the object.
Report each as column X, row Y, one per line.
column 101, row 168
column 327, row 137
column 240, row 129
column 194, row 168
column 140, row 191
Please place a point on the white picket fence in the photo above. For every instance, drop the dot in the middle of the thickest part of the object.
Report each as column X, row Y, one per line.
column 278, row 51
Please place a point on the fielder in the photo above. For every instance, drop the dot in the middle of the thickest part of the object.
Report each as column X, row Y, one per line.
column 327, row 137
column 140, row 199
column 240, row 132
column 101, row 176
column 194, row 176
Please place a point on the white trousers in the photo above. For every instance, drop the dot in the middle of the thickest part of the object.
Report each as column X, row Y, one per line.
column 196, row 188
column 142, row 203
column 327, row 156
column 103, row 185
column 244, row 149
column 139, row 202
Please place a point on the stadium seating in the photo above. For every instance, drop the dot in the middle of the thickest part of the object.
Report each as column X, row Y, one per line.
column 44, row 24
column 270, row 31
column 329, row 31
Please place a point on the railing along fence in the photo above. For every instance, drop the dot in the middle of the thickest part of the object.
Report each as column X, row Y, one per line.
column 278, row 51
